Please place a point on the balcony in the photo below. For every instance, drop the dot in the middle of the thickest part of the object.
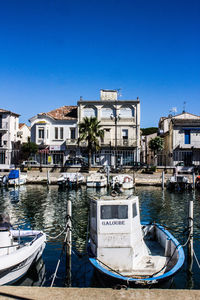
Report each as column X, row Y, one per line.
column 118, row 143
column 3, row 126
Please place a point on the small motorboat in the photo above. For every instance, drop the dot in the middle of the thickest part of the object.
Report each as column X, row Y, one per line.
column 19, row 249
column 16, row 178
column 124, row 251
column 70, row 180
column 179, row 183
column 96, row 180
column 123, row 181
column 197, row 183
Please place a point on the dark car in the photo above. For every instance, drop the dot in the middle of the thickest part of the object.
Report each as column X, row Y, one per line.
column 75, row 162
column 138, row 165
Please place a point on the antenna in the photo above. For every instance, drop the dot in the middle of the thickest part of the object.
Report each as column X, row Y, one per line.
column 184, row 104
column 119, row 94
column 173, row 110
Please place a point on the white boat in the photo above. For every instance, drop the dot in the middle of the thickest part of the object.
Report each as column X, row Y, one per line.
column 125, row 251
column 96, row 180
column 18, row 250
column 179, row 183
column 123, row 181
column 70, row 180
column 16, row 178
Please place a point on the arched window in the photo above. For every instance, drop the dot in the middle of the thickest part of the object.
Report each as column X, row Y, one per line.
column 126, row 112
column 107, row 112
column 89, row 112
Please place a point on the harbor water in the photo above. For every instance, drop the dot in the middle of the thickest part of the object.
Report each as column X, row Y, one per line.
column 45, row 208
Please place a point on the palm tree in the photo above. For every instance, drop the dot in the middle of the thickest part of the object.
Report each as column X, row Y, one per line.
column 90, row 131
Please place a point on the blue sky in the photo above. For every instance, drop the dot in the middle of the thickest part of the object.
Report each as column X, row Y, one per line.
column 52, row 52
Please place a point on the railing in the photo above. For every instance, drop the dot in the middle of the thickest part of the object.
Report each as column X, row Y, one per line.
column 4, row 125
column 105, row 142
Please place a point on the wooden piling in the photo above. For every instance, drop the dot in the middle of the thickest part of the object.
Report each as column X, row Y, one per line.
column 163, row 180
column 69, row 243
column 190, row 234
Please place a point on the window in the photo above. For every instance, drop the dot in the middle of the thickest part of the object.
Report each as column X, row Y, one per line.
column 125, row 134
column 134, row 210
column 56, row 133
column 107, row 112
column 187, row 136
column 114, row 212
column 72, row 133
column 89, row 112
column 41, row 132
column 47, row 133
column 126, row 112
column 61, row 133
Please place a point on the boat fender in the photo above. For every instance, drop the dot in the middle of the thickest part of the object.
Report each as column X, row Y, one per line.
column 114, row 193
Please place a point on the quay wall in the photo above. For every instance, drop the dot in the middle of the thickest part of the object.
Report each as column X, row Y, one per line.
column 13, row 292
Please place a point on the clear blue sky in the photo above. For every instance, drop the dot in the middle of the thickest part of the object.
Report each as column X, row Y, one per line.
column 54, row 51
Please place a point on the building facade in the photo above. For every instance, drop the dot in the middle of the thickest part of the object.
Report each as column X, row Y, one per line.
column 55, row 132
column 120, row 120
column 181, row 135
column 23, row 134
column 9, row 127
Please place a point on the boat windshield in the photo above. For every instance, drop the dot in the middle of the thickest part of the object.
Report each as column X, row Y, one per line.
column 114, row 212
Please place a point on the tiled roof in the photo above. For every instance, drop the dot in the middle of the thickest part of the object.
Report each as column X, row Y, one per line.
column 63, row 113
column 8, row 112
column 21, row 125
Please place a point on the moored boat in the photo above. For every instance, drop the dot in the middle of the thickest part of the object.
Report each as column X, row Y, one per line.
column 70, row 180
column 125, row 251
column 96, row 180
column 19, row 249
column 197, row 183
column 123, row 181
column 16, row 178
column 179, row 183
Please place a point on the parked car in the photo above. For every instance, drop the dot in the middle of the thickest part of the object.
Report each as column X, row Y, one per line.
column 138, row 165
column 30, row 163
column 75, row 162
column 181, row 168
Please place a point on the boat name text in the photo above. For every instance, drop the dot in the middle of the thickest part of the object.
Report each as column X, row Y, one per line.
column 113, row 222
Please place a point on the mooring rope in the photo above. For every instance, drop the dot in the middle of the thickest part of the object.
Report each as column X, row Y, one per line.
column 198, row 264
column 58, row 263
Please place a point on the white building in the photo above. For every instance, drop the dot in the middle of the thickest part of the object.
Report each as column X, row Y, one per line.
column 53, row 131
column 9, row 126
column 181, row 135
column 23, row 133
column 120, row 120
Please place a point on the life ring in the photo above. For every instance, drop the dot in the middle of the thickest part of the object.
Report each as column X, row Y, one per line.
column 127, row 179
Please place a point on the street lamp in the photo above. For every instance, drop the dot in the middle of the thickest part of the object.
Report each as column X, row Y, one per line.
column 116, row 118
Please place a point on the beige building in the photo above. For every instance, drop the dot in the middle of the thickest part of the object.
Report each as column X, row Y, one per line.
column 181, row 135
column 24, row 133
column 120, row 120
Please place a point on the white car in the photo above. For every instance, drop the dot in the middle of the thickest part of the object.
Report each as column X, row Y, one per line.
column 30, row 163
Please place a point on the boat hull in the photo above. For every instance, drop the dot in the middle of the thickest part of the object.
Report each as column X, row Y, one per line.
column 15, row 265
column 113, row 277
column 96, row 184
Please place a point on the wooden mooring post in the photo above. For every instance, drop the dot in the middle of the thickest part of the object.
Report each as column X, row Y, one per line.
column 190, row 233
column 163, row 180
column 69, row 243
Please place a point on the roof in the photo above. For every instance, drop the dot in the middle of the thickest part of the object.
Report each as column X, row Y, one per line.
column 22, row 125
column 62, row 113
column 8, row 112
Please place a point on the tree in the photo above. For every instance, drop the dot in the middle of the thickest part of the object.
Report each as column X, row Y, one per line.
column 149, row 130
column 156, row 145
column 90, row 131
column 29, row 148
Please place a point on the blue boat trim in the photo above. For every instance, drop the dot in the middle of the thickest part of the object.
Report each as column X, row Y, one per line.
column 166, row 275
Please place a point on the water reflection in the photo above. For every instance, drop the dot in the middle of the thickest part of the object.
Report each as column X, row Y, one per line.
column 39, row 207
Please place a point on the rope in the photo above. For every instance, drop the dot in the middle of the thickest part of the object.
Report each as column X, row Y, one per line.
column 58, row 263
column 55, row 237
column 198, row 264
